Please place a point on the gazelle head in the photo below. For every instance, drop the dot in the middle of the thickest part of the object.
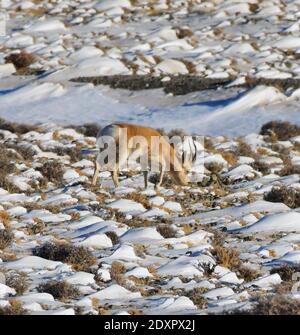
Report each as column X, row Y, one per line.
column 187, row 159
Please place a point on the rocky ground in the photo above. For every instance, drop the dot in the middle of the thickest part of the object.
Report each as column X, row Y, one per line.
column 211, row 39
column 227, row 243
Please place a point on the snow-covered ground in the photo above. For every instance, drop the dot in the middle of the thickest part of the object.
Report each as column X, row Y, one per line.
column 216, row 245
column 206, row 248
column 215, row 39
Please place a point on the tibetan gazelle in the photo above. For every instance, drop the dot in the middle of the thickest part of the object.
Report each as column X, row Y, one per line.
column 138, row 139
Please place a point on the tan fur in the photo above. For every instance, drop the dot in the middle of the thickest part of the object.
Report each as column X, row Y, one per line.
column 167, row 155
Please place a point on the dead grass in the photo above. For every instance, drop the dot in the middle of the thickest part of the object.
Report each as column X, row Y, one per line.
column 184, row 32
column 117, row 271
column 5, row 218
column 142, row 199
column 261, row 167
column 139, row 250
column 6, row 238
column 227, row 257
column 7, row 167
column 286, row 272
column 88, row 129
column 288, row 167
column 214, row 167
column 53, row 170
column 21, row 61
column 247, row 273
column 166, row 230
column 287, row 195
column 17, row 280
column 37, row 227
column 134, row 311
column 16, row 128
column 73, row 152
column 79, row 257
column 244, row 149
column 230, row 157
column 113, row 236
column 196, row 295
column 281, row 130
column 189, row 65
column 60, row 290
column 15, row 308
column 272, row 305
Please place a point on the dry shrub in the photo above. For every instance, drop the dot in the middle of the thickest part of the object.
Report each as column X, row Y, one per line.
column 142, row 199
column 16, row 128
column 79, row 257
column 166, row 230
column 230, row 157
column 134, row 311
column 214, row 167
column 227, row 257
column 139, row 250
column 286, row 272
column 24, row 150
column 284, row 194
column 4, row 218
column 150, row 291
column 17, row 280
column 288, row 167
column 244, row 149
column 20, row 60
column 15, row 308
column 285, row 287
column 37, row 227
column 261, row 166
column 88, row 129
column 6, row 238
column 75, row 215
column 117, row 271
column 208, row 269
column 6, row 167
column 196, row 295
column 218, row 238
column 283, row 130
column 254, row 8
column 53, row 170
column 187, row 228
column 139, row 281
column 113, row 236
column 60, row 289
column 208, row 144
column 73, row 152
column 272, row 305
column 184, row 32
column 189, row 65
column 247, row 273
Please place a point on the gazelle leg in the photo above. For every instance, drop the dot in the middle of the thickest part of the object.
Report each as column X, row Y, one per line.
column 96, row 173
column 115, row 176
column 161, row 175
column 146, row 178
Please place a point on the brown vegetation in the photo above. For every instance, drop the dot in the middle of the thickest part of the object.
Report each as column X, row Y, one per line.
column 59, row 289
column 281, row 130
column 79, row 257
column 287, row 195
